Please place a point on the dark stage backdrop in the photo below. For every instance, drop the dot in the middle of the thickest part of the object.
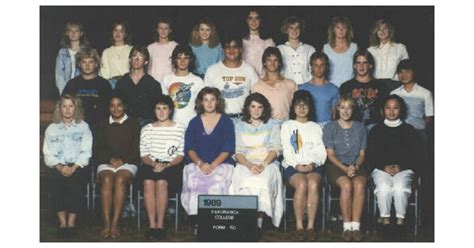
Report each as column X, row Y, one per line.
column 414, row 28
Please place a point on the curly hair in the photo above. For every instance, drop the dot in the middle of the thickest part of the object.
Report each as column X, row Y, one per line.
column 290, row 21
column 261, row 99
column 187, row 51
column 220, row 108
column 195, row 39
column 78, row 110
column 303, row 96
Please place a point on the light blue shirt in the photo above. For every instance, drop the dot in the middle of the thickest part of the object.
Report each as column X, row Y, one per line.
column 324, row 98
column 64, row 145
column 341, row 64
column 206, row 57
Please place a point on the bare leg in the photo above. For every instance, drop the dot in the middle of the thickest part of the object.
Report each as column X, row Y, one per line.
column 150, row 200
column 358, row 200
column 71, row 219
column 314, row 181
column 107, row 180
column 345, row 199
column 62, row 219
column 161, row 201
column 298, row 181
column 122, row 177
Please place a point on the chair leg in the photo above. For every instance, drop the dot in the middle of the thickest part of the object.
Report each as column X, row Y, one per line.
column 138, row 210
column 176, row 217
column 323, row 210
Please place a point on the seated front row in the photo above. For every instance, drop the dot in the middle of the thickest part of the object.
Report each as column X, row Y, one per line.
column 208, row 145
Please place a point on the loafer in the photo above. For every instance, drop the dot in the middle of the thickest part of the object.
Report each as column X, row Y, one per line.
column 357, row 235
column 311, row 235
column 62, row 232
column 300, row 235
column 346, row 235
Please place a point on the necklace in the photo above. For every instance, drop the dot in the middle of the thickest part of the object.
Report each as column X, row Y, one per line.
column 119, row 54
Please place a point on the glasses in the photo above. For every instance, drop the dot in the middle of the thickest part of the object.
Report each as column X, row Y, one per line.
column 301, row 105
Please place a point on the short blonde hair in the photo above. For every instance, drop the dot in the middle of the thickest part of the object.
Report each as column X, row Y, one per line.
column 87, row 53
column 78, row 110
column 350, row 101
column 290, row 21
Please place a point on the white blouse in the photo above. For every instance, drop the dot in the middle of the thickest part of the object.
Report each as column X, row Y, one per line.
column 387, row 57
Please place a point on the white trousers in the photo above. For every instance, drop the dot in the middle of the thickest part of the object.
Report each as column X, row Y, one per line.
column 395, row 188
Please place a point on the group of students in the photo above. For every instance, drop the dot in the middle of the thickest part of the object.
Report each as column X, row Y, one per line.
column 221, row 118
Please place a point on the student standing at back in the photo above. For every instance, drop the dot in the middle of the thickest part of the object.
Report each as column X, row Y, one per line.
column 295, row 53
column 340, row 50
column 255, row 40
column 205, row 45
column 72, row 40
column 115, row 58
column 161, row 49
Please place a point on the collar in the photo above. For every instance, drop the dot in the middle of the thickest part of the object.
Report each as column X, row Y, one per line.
column 124, row 118
column 415, row 88
column 62, row 125
column 394, row 123
column 299, row 44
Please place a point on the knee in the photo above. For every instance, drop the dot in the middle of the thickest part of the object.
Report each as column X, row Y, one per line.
column 107, row 180
column 359, row 187
column 162, row 184
column 148, row 186
column 400, row 189
column 346, row 188
column 313, row 186
column 383, row 189
column 120, row 181
column 301, row 186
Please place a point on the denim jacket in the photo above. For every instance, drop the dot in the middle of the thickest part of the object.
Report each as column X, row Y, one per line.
column 64, row 145
column 64, row 69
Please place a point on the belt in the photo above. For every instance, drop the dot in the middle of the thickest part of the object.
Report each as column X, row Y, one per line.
column 235, row 115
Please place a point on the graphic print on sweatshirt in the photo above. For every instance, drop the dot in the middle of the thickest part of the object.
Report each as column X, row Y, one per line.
column 296, row 141
column 180, row 93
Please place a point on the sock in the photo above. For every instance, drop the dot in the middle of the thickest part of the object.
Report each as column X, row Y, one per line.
column 259, row 222
column 355, row 225
column 347, row 226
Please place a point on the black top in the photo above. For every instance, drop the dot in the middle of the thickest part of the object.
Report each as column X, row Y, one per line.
column 368, row 98
column 394, row 145
column 139, row 96
column 117, row 141
column 94, row 94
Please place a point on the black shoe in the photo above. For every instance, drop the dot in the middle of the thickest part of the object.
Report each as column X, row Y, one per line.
column 160, row 234
column 72, row 232
column 150, row 234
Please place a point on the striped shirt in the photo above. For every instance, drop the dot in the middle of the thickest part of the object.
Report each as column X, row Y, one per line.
column 163, row 143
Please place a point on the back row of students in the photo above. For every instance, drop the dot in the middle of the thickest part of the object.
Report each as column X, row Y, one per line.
column 205, row 44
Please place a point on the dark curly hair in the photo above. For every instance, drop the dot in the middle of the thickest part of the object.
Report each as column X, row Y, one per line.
column 220, row 108
column 261, row 99
column 306, row 98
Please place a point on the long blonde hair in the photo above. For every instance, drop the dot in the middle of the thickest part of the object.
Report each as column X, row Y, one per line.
column 78, row 110
column 374, row 38
column 339, row 20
